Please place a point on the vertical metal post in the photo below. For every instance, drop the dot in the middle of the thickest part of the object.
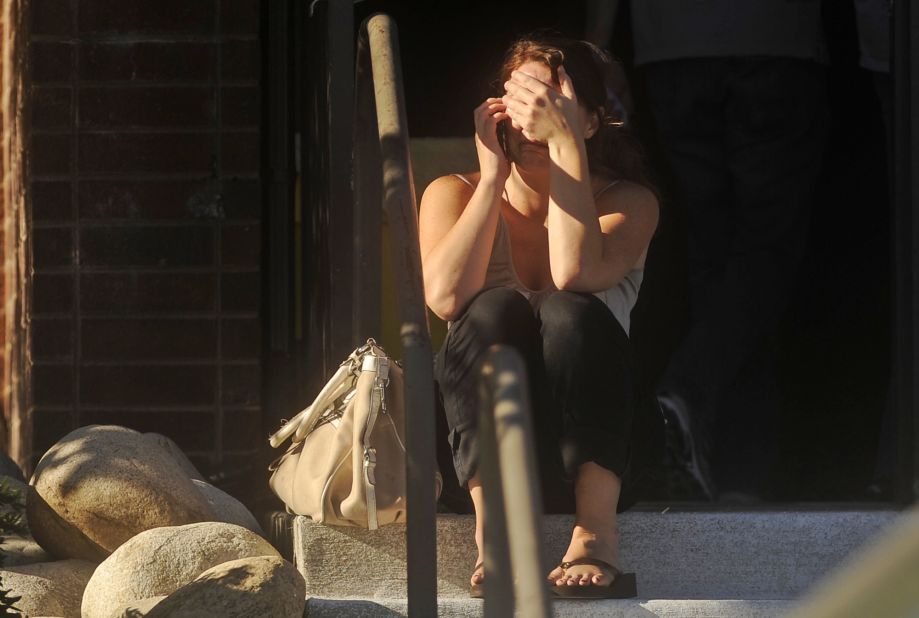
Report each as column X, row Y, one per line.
column 399, row 199
column 499, row 597
column 511, row 483
column 906, row 244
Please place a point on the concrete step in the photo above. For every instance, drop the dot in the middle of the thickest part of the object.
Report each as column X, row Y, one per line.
column 471, row 608
column 769, row 556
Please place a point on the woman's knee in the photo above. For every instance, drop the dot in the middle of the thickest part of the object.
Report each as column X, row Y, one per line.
column 499, row 314
column 571, row 314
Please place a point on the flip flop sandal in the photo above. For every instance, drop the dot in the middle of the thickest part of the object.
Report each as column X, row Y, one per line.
column 623, row 585
column 477, row 591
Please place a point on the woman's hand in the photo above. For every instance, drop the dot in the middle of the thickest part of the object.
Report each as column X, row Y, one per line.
column 493, row 164
column 543, row 113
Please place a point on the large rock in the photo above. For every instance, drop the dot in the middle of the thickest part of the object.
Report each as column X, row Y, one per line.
column 57, row 535
column 139, row 608
column 159, row 561
column 100, row 485
column 227, row 508
column 21, row 550
column 169, row 445
column 262, row 586
column 49, row 588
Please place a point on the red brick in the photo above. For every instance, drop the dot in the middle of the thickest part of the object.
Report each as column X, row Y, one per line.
column 239, row 16
column 147, row 153
column 148, row 339
column 52, row 293
column 148, row 200
column 241, row 338
column 51, row 62
column 146, row 107
column 51, row 201
column 50, row 154
column 239, row 153
column 169, row 16
column 240, row 60
column 239, row 107
column 147, row 246
column 52, row 385
column 133, row 61
column 239, row 292
column 52, row 338
column 242, row 198
column 52, row 247
column 241, row 245
column 191, row 429
column 147, row 386
column 50, row 107
column 51, row 17
column 242, row 385
column 147, row 293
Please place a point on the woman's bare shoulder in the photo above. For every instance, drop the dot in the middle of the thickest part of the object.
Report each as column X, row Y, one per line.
column 628, row 197
column 451, row 186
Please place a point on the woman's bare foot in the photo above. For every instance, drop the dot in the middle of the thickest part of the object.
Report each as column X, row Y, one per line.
column 586, row 543
column 596, row 533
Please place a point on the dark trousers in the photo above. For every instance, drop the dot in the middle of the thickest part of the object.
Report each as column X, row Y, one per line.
column 583, row 390
column 745, row 139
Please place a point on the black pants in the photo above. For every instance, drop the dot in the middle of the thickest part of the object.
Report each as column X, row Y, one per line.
column 584, row 393
column 745, row 138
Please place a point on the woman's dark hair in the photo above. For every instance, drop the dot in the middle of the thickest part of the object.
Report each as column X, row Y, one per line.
column 613, row 150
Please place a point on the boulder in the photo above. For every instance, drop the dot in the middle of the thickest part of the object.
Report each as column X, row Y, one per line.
column 139, row 608
column 261, row 586
column 57, row 535
column 20, row 550
column 227, row 508
column 169, row 445
column 159, row 561
column 102, row 484
column 49, row 588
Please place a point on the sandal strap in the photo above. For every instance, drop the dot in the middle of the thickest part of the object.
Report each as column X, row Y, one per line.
column 591, row 562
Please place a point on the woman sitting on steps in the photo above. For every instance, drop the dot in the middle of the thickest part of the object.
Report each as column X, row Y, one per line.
column 543, row 249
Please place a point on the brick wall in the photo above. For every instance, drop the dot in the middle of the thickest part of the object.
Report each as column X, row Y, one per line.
column 145, row 229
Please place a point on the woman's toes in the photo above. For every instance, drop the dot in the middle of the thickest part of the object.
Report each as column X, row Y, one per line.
column 585, row 579
column 597, row 578
column 555, row 575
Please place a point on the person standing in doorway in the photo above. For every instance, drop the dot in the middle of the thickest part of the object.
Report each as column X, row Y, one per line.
column 737, row 91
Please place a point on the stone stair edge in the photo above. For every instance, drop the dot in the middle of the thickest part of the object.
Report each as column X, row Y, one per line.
column 317, row 607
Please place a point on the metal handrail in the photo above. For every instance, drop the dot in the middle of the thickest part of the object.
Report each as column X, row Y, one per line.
column 508, row 465
column 510, row 482
column 378, row 59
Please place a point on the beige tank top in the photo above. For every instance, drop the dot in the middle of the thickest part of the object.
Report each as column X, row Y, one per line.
column 620, row 299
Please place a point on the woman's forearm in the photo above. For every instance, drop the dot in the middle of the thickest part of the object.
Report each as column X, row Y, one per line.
column 455, row 269
column 575, row 238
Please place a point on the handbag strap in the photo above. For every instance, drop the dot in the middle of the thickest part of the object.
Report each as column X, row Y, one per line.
column 309, row 416
column 305, row 421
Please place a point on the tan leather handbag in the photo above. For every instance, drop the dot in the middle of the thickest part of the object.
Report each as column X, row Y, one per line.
column 346, row 465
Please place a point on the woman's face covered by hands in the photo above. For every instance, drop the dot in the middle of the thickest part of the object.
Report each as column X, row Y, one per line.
column 542, row 110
